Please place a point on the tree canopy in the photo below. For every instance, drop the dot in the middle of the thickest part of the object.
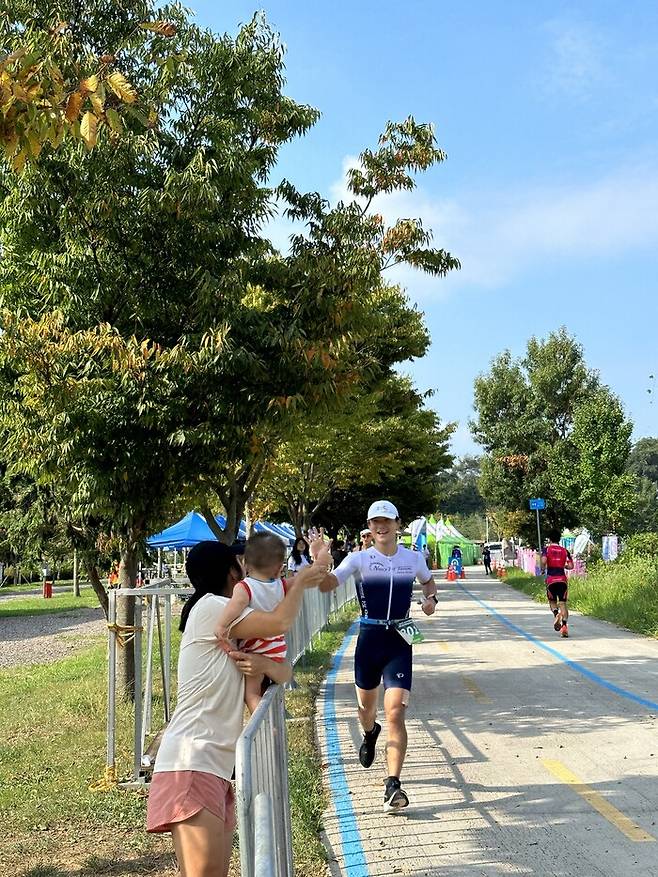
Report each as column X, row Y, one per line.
column 154, row 343
column 552, row 430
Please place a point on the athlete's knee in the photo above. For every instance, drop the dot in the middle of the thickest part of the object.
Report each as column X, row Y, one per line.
column 396, row 713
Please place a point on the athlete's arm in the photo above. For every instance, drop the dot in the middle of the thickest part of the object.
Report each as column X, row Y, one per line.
column 428, row 585
column 568, row 564
column 346, row 568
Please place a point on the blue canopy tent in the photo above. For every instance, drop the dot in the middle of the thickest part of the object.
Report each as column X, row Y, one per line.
column 185, row 533
column 193, row 529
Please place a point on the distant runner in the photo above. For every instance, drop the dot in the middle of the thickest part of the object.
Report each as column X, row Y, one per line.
column 385, row 575
column 555, row 561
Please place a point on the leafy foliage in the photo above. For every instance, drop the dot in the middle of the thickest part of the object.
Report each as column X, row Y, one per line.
column 372, row 439
column 552, row 430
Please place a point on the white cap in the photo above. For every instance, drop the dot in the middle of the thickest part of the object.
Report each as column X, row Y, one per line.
column 382, row 509
column 365, row 532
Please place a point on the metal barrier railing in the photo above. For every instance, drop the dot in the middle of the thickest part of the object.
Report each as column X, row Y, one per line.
column 261, row 767
column 152, row 598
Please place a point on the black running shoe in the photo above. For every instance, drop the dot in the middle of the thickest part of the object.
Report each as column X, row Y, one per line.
column 367, row 750
column 395, row 798
column 558, row 622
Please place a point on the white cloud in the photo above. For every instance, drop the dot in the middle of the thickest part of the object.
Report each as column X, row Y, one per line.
column 499, row 234
column 577, row 59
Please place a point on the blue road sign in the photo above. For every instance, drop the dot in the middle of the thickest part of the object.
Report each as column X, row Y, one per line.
column 537, row 504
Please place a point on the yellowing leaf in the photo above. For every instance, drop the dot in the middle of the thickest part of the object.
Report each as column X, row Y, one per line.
column 18, row 161
column 73, row 105
column 89, row 85
column 88, row 129
column 35, row 143
column 122, row 88
column 97, row 103
column 163, row 28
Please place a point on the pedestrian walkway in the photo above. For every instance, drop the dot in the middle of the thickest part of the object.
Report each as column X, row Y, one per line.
column 527, row 754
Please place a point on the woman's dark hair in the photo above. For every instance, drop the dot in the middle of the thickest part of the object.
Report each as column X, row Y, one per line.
column 296, row 554
column 208, row 566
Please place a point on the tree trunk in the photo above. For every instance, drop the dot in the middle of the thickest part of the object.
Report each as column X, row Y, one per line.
column 249, row 523
column 233, row 515
column 125, row 666
column 96, row 584
column 76, row 582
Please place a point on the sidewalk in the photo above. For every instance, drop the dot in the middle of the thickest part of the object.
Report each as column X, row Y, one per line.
column 499, row 726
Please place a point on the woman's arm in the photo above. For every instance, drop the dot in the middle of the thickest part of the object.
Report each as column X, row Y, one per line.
column 249, row 664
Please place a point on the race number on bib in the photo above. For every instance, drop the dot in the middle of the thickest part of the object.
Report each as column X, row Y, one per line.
column 409, row 632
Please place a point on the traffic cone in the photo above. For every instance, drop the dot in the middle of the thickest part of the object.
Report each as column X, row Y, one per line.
column 462, row 575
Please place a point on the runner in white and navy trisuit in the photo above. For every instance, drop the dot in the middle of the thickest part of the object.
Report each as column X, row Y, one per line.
column 384, row 575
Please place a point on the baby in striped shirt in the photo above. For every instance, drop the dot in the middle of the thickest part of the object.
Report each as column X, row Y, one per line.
column 262, row 588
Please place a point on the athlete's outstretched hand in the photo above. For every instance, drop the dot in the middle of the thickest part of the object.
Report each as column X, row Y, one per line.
column 320, row 553
column 429, row 606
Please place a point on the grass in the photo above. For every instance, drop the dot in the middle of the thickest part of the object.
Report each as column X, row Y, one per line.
column 52, row 745
column 307, row 796
column 40, row 606
column 52, row 749
column 58, row 583
column 624, row 592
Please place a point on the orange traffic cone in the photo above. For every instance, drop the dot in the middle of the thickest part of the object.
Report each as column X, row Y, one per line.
column 462, row 575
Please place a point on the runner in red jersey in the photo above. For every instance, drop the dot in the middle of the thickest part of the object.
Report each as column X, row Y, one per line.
column 555, row 561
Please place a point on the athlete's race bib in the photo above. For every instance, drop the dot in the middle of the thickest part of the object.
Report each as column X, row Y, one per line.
column 409, row 632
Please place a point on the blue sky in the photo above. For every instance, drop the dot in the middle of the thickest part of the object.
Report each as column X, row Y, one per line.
column 549, row 197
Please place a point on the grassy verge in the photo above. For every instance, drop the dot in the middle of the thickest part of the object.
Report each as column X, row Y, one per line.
column 52, row 748
column 40, row 606
column 307, row 796
column 58, row 583
column 624, row 592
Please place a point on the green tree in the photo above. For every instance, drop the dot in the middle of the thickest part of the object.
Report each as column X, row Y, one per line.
column 372, row 439
column 460, row 491
column 643, row 464
column 536, row 418
column 153, row 342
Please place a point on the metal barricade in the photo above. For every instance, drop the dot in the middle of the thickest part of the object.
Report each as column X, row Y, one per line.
column 264, row 865
column 152, row 598
column 261, row 766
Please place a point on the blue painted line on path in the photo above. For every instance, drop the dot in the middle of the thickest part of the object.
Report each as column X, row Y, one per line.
column 579, row 668
column 354, row 857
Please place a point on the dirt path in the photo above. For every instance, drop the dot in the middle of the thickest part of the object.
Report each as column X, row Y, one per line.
column 42, row 639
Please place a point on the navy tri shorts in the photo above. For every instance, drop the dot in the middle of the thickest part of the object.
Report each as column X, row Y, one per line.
column 381, row 653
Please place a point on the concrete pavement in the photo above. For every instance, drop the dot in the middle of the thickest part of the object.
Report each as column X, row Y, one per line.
column 528, row 753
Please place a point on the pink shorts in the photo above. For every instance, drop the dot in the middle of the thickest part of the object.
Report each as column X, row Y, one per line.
column 176, row 795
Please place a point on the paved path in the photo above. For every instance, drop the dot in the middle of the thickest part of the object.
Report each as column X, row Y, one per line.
column 518, row 762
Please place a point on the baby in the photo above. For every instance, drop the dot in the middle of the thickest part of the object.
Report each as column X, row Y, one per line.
column 262, row 588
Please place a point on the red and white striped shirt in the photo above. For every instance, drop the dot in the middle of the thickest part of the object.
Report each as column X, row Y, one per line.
column 266, row 596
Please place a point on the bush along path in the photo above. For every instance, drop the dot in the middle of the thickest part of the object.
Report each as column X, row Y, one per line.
column 624, row 592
